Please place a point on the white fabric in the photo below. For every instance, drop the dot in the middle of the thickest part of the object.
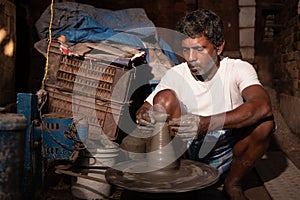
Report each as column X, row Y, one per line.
column 222, row 93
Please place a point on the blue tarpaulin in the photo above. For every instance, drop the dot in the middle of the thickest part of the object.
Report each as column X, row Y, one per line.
column 85, row 23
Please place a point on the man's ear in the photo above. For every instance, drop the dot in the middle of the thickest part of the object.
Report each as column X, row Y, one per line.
column 220, row 48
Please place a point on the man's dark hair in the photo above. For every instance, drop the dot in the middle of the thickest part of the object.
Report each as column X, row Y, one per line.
column 203, row 22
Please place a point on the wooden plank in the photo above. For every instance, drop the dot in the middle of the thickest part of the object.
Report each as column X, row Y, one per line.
column 109, row 49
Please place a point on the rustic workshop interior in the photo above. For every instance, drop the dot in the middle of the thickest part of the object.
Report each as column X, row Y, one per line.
column 74, row 72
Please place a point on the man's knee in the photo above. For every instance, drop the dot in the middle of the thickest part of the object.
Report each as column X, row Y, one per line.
column 263, row 131
column 257, row 136
column 166, row 98
column 258, row 132
column 167, row 101
column 164, row 95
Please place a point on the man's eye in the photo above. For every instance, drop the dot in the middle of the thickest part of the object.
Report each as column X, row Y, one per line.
column 200, row 49
column 185, row 49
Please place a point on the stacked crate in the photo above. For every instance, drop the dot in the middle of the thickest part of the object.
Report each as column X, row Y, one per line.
column 87, row 87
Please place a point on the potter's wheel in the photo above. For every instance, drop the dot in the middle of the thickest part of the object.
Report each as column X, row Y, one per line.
column 190, row 175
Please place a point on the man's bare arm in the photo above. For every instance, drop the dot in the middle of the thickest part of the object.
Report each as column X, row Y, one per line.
column 257, row 107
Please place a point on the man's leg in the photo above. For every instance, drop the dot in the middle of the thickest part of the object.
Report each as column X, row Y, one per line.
column 245, row 153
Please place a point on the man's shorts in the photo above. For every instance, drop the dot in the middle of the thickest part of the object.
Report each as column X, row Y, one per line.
column 220, row 156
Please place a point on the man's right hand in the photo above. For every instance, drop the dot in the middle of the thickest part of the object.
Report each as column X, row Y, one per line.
column 144, row 121
column 143, row 117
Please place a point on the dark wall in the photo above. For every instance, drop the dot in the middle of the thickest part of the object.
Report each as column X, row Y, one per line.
column 7, row 52
column 29, row 63
column 164, row 13
column 229, row 12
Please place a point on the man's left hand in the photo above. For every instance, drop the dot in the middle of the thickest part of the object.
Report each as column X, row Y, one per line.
column 186, row 126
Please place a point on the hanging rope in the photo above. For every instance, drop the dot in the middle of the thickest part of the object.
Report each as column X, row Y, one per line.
column 49, row 44
column 42, row 94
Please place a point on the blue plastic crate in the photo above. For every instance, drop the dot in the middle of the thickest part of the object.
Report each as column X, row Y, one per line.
column 55, row 144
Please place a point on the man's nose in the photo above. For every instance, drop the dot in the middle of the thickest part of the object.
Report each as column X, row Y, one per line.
column 192, row 55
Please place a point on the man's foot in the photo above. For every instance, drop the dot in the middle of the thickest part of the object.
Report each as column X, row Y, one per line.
column 234, row 193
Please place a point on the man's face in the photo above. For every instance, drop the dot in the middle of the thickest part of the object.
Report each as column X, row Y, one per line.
column 200, row 55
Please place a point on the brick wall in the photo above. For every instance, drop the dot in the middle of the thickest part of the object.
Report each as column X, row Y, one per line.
column 287, row 63
column 287, row 50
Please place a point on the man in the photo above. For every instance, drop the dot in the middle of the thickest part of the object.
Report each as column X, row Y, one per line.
column 215, row 95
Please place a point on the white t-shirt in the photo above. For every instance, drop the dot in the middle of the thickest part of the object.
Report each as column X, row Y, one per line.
column 222, row 93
